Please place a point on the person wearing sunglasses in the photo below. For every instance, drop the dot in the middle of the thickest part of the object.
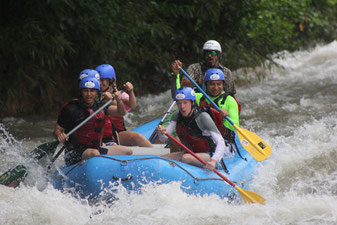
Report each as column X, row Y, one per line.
column 211, row 59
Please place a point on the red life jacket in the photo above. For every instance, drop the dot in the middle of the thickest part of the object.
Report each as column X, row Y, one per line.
column 90, row 134
column 191, row 135
column 215, row 115
column 118, row 123
column 109, row 131
column 64, row 105
column 109, row 128
column 239, row 105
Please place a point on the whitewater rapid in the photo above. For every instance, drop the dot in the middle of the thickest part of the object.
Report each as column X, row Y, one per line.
column 294, row 109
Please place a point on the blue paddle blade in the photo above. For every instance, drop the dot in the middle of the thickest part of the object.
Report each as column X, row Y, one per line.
column 148, row 128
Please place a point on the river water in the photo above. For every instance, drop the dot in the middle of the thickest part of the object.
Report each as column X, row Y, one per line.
column 293, row 109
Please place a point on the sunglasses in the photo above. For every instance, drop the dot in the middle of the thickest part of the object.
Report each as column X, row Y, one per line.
column 213, row 53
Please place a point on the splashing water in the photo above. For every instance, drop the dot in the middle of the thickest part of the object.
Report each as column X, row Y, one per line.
column 10, row 148
column 294, row 110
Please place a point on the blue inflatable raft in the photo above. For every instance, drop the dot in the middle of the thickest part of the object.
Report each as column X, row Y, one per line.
column 99, row 175
column 148, row 128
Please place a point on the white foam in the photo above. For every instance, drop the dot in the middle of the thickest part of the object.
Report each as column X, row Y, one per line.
column 294, row 110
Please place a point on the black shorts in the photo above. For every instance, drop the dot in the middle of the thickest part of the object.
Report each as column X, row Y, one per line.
column 103, row 150
column 73, row 154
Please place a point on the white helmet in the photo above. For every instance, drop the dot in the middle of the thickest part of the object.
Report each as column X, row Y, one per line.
column 212, row 45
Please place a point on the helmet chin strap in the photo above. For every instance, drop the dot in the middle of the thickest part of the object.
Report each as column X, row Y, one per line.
column 192, row 109
column 194, row 104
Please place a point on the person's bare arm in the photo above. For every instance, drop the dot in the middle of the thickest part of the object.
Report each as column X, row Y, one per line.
column 59, row 134
column 119, row 109
column 131, row 101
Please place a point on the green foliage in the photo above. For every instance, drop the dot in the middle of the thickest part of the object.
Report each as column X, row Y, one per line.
column 276, row 25
column 44, row 44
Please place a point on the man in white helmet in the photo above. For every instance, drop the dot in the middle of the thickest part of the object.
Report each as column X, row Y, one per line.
column 211, row 59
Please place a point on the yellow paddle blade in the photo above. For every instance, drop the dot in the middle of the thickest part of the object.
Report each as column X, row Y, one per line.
column 250, row 197
column 257, row 147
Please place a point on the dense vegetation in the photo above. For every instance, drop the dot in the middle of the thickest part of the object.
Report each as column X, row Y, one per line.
column 46, row 43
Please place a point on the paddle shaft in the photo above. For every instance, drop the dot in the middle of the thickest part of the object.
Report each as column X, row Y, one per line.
column 167, row 112
column 89, row 117
column 153, row 135
column 198, row 158
column 79, row 125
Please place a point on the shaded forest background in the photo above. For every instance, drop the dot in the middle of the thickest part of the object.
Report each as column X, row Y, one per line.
column 44, row 44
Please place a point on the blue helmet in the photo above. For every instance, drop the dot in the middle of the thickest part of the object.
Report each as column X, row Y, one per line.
column 83, row 73
column 88, row 73
column 214, row 74
column 185, row 93
column 90, row 82
column 94, row 73
column 106, row 71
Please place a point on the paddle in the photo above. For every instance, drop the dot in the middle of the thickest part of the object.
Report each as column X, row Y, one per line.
column 254, row 145
column 154, row 133
column 247, row 196
column 20, row 171
column 14, row 176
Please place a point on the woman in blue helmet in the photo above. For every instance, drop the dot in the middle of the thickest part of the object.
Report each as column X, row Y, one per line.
column 108, row 83
column 86, row 142
column 195, row 129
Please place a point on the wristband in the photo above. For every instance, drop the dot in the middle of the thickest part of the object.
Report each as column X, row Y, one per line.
column 178, row 81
